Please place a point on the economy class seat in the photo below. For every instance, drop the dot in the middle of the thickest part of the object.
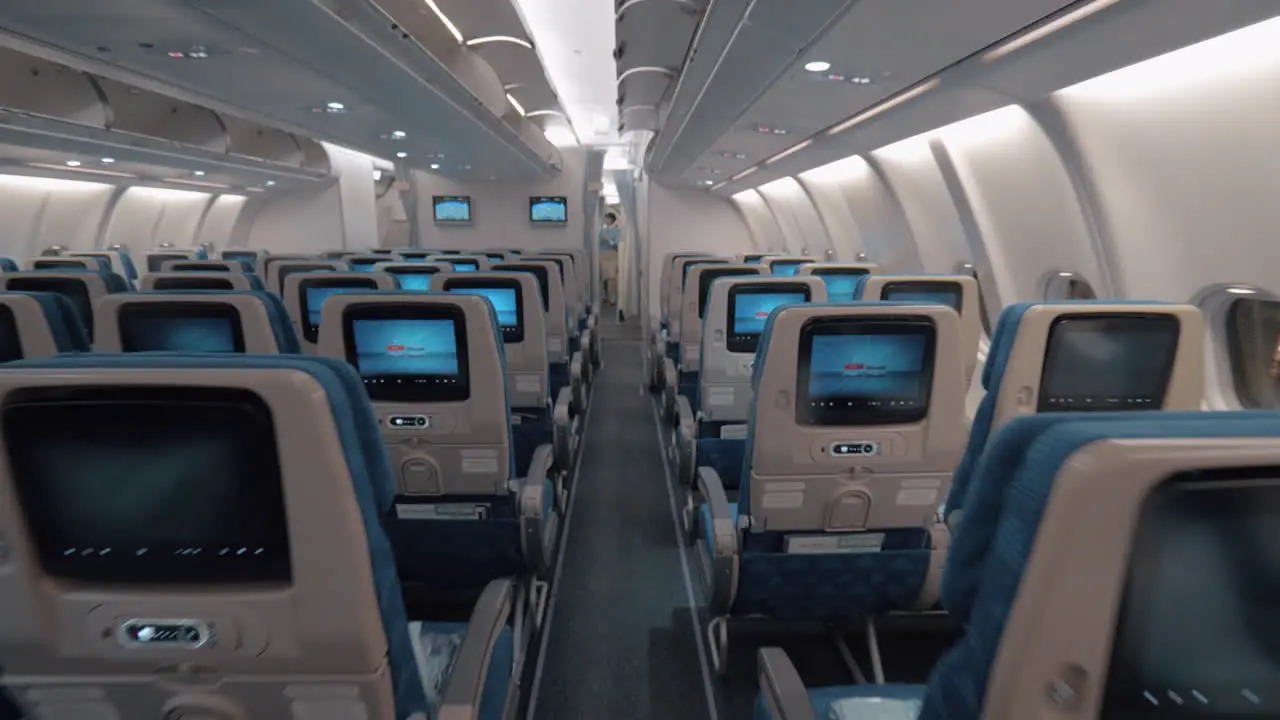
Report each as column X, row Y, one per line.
column 63, row 263
column 247, row 255
column 227, row 266
column 958, row 292
column 568, row 369
column 154, row 260
column 276, row 268
column 579, row 340
column 304, row 294
column 212, row 321
column 693, row 309
column 1180, row 509
column 849, row 527
column 841, row 278
column 259, row 476
column 755, row 258
column 463, row 263
column 38, row 324
column 81, row 288
column 366, row 262
column 675, row 305
column 714, row 433
column 432, row 364
column 785, row 265
column 658, row 341
column 200, row 281
column 412, row 274
column 117, row 262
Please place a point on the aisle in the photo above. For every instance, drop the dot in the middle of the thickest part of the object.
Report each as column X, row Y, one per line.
column 620, row 644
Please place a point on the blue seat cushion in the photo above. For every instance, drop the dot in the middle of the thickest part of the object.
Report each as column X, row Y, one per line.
column 436, row 645
column 558, row 378
column 724, row 455
column 860, row 702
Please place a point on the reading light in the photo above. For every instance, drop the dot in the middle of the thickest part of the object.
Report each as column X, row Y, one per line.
column 435, row 166
column 335, row 106
column 515, row 104
column 817, row 66
column 397, row 134
column 1047, row 29
column 453, row 29
column 377, row 175
column 499, row 38
column 73, row 163
column 402, row 154
column 885, row 106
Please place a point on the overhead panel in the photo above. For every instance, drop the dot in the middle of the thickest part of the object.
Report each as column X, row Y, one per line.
column 652, row 41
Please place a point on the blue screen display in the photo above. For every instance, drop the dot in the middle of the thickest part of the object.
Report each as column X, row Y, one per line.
column 405, row 347
column 317, row 295
column 840, row 288
column 950, row 298
column 453, row 209
column 785, row 268
column 414, row 281
column 549, row 209
column 751, row 310
column 465, row 266
column 504, row 303
column 179, row 334
column 867, row 367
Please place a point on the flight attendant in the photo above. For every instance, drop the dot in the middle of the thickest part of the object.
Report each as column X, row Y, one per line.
column 610, row 236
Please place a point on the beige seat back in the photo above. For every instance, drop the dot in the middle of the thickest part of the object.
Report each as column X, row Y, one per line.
column 195, row 281
column 858, row 420
column 581, row 273
column 547, row 274
column 463, row 263
column 679, row 283
column 959, row 292
column 83, row 289
column 282, row 269
column 243, row 254
column 267, row 263
column 841, row 278
column 694, row 306
column 182, row 322
column 366, row 262
column 305, row 293
column 736, row 313
column 431, row 364
column 497, row 255
column 664, row 281
column 755, row 258
column 569, row 283
column 162, row 524
column 115, row 258
column 517, row 302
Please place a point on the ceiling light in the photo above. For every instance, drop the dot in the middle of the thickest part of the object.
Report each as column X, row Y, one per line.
column 197, row 183
column 397, row 134
column 453, row 29
column 335, row 106
column 743, row 174
column 72, row 168
column 198, row 173
column 859, row 80
column 435, row 166
column 889, row 104
column 73, row 163
column 817, row 66
column 1041, row 31
column 402, row 154
column 1241, row 291
column 269, row 183
column 499, row 39
column 707, row 182
column 560, row 135
column 515, row 104
column 791, row 150
column 107, row 161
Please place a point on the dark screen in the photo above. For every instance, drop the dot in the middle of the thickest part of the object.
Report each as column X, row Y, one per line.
column 408, row 353
column 540, row 272
column 749, row 308
column 58, row 265
column 192, row 283
column 1198, row 634
column 691, row 265
column 199, row 267
column 10, row 341
column 925, row 293
column 1113, row 362
column 312, row 292
column 135, row 485
column 709, row 276
column 75, row 290
column 180, row 327
column 872, row 372
column 157, row 260
column 234, row 256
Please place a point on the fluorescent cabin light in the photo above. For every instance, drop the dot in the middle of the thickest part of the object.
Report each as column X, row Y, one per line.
column 85, row 170
column 1042, row 31
column 885, row 106
column 817, row 66
column 789, row 151
column 453, row 29
column 499, row 39
column 519, row 108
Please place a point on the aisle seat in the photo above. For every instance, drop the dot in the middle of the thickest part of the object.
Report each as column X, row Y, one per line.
column 671, row 355
column 1179, row 510
column 657, row 350
column 200, row 281
column 214, row 321
column 154, row 260
column 567, row 368
column 258, row 469
column 63, row 263
column 304, row 295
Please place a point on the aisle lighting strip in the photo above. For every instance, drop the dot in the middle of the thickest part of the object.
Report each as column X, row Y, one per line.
column 1047, row 29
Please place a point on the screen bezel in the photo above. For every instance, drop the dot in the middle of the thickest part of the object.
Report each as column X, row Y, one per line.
column 950, row 287
column 689, row 266
column 167, row 283
column 312, row 332
column 273, row 570
column 709, row 277
column 743, row 343
column 510, row 335
column 427, row 270
column 181, row 311
column 395, row 389
column 436, row 201
column 453, row 265
column 838, row 272
column 535, row 200
column 283, row 273
column 1048, row 365
column 807, row 415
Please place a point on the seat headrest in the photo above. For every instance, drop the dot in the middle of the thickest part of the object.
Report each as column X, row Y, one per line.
column 82, row 289
column 63, row 263
column 38, row 324
column 7, row 264
column 188, row 280
column 412, row 274
column 212, row 321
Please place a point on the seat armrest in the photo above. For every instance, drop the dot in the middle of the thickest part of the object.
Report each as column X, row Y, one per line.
column 723, row 531
column 686, row 440
column 539, row 467
column 939, row 544
column 537, row 511
column 562, row 418
column 461, row 699
column 577, row 382
column 785, row 696
column 670, row 387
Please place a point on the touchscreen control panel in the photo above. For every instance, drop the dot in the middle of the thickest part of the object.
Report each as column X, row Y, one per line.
column 165, row 633
column 408, row 422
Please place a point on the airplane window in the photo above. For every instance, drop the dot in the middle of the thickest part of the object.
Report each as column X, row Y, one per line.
column 965, row 268
column 1253, row 347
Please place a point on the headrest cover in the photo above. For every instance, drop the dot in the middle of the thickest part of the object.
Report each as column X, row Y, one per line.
column 842, row 283
column 409, row 352
column 503, row 294
column 1108, row 362
column 865, row 371
column 539, row 272
column 418, row 278
column 180, row 327
column 139, row 485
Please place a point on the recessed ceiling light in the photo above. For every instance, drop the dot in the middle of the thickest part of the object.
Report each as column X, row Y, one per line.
column 73, row 163
column 817, row 66
column 108, row 161
column 397, row 134
column 335, row 106
column 733, row 156
column 708, row 182
column 198, row 173
column 402, row 154
column 269, row 183
column 435, row 166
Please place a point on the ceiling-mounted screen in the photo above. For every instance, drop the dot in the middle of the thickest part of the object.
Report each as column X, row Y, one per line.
column 549, row 209
column 452, row 209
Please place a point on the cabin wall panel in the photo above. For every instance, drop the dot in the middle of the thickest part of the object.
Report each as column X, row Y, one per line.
column 309, row 220
column 687, row 220
column 912, row 176
column 801, row 225
column 222, row 221
column 883, row 221
column 828, row 199
column 765, row 232
column 144, row 217
column 38, row 212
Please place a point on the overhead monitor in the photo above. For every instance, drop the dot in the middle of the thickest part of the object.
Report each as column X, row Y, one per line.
column 504, row 296
column 75, row 290
column 551, row 210
column 180, row 327
column 410, row 352
column 1108, row 362
column 452, row 209
column 145, row 485
column 864, row 371
column 749, row 308
column 925, row 293
column 312, row 292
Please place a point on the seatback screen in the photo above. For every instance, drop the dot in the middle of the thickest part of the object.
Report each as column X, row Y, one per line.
column 925, row 293
column 292, row 269
column 864, row 372
column 749, row 308
column 504, row 296
column 539, row 272
column 364, row 264
column 753, row 259
column 180, row 327
column 234, row 256
column 155, row 261
column 75, row 290
column 1108, row 362
column 59, row 265
column 416, row 279
column 465, row 266
column 786, row 267
column 199, row 267
column 312, row 292
column 140, row 485
column 10, row 341
column 709, row 276
column 409, row 353
column 842, row 283
column 1197, row 635
column 495, row 257
column 691, row 265
column 192, row 283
